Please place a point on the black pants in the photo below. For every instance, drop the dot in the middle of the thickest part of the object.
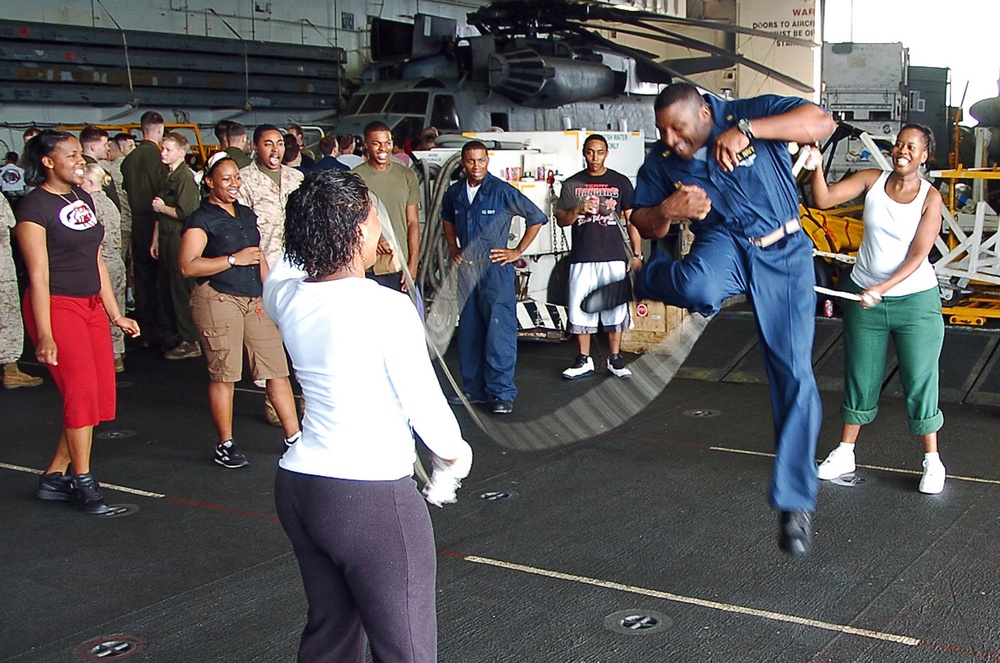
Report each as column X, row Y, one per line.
column 366, row 553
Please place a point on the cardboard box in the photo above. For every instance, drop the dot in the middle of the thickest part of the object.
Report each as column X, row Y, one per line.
column 651, row 323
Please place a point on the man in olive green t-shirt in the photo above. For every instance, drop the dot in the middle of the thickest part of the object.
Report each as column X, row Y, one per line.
column 396, row 186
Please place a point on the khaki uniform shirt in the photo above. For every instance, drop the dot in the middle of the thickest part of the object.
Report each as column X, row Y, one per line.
column 267, row 199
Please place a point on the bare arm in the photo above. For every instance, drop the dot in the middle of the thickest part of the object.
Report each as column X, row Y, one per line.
column 193, row 264
column 413, row 237
column 826, row 195
column 31, row 239
column 452, row 239
column 635, row 241
column 107, row 294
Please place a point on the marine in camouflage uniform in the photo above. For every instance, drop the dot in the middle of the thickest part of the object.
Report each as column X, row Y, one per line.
column 267, row 199
column 11, row 328
column 114, row 169
column 111, row 250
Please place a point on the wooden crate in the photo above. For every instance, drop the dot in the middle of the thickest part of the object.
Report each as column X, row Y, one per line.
column 651, row 322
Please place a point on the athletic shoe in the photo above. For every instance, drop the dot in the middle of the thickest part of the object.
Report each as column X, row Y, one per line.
column 583, row 367
column 502, row 407
column 616, row 366
column 55, row 486
column 795, row 534
column 839, row 462
column 87, row 495
column 932, row 482
column 186, row 350
column 457, row 400
column 229, row 456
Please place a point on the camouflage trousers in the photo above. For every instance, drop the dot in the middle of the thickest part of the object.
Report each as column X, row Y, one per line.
column 11, row 326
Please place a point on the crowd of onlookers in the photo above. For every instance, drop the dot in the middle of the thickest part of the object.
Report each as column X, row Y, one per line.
column 143, row 190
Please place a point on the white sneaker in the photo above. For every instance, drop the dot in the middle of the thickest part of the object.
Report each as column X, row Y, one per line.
column 617, row 368
column 839, row 462
column 583, row 367
column 932, row 482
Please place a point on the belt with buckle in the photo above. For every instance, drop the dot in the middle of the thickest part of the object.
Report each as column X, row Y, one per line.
column 770, row 238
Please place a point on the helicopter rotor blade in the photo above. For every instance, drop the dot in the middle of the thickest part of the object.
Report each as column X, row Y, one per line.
column 643, row 17
column 687, row 42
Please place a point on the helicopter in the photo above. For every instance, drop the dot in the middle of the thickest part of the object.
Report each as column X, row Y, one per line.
column 535, row 66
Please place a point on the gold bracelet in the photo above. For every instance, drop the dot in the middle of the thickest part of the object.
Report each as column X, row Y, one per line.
column 116, row 318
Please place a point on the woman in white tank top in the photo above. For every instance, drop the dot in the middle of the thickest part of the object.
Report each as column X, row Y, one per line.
column 899, row 298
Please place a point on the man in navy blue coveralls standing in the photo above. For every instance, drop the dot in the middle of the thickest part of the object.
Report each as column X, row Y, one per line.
column 726, row 164
column 477, row 213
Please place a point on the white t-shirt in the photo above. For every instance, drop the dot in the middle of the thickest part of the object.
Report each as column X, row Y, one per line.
column 11, row 178
column 359, row 354
column 350, row 160
column 889, row 231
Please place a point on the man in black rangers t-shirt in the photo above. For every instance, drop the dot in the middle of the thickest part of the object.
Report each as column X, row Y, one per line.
column 594, row 202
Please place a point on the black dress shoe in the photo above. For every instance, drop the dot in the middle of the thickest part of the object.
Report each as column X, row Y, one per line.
column 796, row 533
column 457, row 400
column 608, row 296
column 503, row 407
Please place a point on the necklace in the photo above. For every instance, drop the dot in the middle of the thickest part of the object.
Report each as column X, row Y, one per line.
column 68, row 201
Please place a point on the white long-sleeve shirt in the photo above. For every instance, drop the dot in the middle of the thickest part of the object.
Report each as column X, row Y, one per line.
column 359, row 354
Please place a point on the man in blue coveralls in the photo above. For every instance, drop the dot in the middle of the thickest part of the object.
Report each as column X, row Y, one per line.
column 477, row 213
column 726, row 164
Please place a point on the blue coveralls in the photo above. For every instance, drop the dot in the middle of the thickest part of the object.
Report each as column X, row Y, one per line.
column 754, row 200
column 487, row 327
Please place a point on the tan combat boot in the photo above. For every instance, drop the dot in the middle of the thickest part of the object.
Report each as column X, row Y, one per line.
column 14, row 378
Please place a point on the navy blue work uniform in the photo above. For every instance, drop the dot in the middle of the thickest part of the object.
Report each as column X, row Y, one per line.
column 757, row 198
column 487, row 326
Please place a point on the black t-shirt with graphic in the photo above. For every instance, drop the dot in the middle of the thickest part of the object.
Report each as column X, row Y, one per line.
column 598, row 237
column 73, row 238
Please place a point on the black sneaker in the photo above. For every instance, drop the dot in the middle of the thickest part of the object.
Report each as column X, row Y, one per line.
column 55, row 486
column 87, row 495
column 608, row 296
column 229, row 456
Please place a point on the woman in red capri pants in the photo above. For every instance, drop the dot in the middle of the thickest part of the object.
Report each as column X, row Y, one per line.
column 67, row 308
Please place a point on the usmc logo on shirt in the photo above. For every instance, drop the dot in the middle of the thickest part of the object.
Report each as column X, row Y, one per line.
column 77, row 216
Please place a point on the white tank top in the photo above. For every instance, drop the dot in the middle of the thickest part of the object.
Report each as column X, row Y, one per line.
column 889, row 231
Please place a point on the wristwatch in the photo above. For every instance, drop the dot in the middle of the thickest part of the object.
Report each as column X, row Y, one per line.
column 743, row 126
column 232, row 260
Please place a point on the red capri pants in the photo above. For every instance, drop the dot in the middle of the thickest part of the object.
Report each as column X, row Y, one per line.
column 85, row 374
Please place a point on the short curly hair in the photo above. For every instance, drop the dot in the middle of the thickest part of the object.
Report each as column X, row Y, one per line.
column 322, row 219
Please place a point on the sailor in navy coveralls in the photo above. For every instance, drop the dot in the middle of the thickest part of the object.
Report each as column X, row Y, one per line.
column 477, row 213
column 726, row 165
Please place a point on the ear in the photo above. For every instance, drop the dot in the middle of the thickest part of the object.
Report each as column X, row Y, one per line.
column 47, row 162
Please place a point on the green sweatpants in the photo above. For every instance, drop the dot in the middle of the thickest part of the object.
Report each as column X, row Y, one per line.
column 915, row 324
